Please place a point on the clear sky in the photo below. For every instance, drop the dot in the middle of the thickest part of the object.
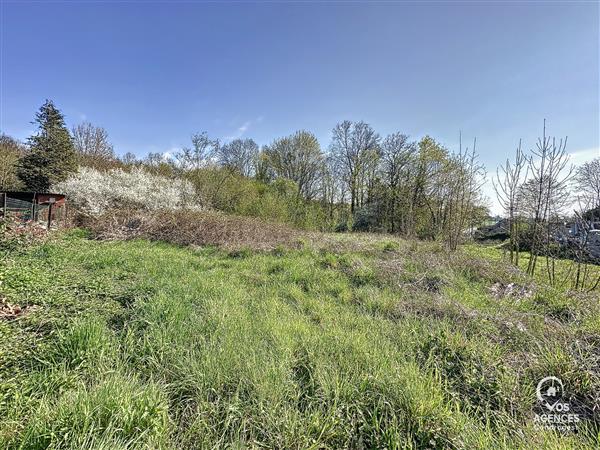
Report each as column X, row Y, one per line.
column 152, row 73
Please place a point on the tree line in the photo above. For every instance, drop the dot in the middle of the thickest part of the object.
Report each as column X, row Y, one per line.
column 362, row 181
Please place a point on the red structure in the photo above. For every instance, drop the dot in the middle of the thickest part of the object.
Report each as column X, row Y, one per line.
column 33, row 206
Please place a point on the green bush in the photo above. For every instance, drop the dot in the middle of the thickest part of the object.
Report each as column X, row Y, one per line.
column 277, row 201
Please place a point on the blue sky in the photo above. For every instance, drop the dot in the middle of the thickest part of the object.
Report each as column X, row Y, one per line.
column 152, row 73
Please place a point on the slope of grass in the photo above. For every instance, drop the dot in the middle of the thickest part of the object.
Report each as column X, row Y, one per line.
column 349, row 342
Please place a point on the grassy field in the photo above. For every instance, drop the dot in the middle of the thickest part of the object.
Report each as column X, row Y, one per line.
column 346, row 342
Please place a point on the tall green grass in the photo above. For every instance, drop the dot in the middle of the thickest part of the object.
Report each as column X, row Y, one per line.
column 362, row 344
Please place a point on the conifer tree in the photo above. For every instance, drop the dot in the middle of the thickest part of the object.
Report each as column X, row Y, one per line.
column 51, row 156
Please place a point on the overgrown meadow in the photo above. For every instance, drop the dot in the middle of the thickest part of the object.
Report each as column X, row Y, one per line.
column 344, row 341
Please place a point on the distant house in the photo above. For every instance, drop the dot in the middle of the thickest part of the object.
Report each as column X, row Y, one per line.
column 575, row 228
column 594, row 243
column 44, row 207
column 498, row 230
column 586, row 230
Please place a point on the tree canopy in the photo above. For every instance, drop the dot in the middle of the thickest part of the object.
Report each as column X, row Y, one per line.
column 51, row 157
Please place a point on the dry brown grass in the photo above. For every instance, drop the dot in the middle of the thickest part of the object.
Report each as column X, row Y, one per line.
column 190, row 228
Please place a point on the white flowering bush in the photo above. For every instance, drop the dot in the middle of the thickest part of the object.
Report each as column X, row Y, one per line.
column 95, row 192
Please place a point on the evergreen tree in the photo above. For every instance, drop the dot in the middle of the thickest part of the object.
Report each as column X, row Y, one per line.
column 51, row 156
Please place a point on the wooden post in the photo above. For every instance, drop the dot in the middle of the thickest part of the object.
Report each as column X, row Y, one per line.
column 49, row 215
column 33, row 208
column 4, row 204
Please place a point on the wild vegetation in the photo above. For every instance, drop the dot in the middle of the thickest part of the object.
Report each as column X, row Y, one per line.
column 535, row 191
column 193, row 228
column 198, row 304
column 336, row 341
column 95, row 192
column 363, row 182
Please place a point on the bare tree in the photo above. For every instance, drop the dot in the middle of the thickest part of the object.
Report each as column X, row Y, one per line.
column 579, row 245
column 92, row 141
column 159, row 164
column 464, row 183
column 239, row 156
column 298, row 158
column 204, row 148
column 546, row 191
column 129, row 159
column 587, row 182
column 355, row 145
column 397, row 152
column 509, row 178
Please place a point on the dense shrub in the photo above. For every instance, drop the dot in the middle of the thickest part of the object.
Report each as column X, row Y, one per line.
column 278, row 201
column 95, row 192
column 365, row 218
column 193, row 228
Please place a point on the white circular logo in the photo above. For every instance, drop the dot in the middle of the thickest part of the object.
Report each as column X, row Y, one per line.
column 549, row 391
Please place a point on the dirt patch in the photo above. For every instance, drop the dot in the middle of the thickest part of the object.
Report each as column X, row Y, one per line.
column 10, row 311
